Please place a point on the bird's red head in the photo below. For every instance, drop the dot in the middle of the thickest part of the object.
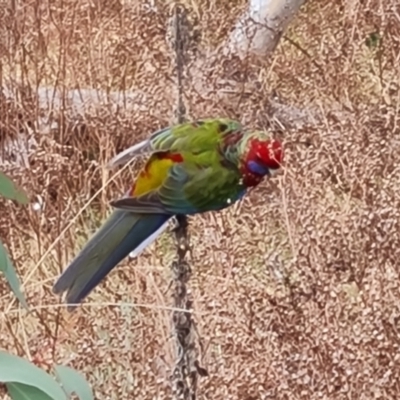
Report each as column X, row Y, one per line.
column 264, row 156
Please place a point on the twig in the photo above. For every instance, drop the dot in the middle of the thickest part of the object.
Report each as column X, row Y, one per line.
column 186, row 370
column 179, row 41
column 184, row 376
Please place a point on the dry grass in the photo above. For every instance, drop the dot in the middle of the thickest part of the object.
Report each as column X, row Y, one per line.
column 296, row 290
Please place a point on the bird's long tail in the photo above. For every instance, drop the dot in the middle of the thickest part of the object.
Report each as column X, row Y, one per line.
column 123, row 233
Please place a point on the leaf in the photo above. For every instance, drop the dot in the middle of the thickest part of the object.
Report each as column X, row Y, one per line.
column 14, row 369
column 74, row 382
column 373, row 39
column 19, row 391
column 10, row 190
column 11, row 275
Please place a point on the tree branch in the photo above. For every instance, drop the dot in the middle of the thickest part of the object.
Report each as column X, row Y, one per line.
column 260, row 28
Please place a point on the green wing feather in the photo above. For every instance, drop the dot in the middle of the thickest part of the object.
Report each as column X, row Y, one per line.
column 189, row 188
column 196, row 136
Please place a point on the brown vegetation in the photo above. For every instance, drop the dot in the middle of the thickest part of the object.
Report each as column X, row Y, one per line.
column 296, row 289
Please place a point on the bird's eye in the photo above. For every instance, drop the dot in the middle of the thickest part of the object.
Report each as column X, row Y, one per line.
column 222, row 127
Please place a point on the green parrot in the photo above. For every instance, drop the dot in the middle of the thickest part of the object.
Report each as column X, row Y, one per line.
column 193, row 167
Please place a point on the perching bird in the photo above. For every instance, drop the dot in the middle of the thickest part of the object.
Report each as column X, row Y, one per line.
column 194, row 167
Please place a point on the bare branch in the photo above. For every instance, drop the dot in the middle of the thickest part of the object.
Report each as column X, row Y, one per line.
column 260, row 28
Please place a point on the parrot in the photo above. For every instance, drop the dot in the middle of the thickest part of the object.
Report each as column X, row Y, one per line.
column 192, row 167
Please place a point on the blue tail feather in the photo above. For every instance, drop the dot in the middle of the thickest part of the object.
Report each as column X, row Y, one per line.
column 121, row 234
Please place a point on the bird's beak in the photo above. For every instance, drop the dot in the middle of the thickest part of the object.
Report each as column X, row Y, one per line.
column 274, row 172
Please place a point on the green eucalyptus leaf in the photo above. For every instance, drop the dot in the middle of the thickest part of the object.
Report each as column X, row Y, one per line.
column 74, row 382
column 20, row 391
column 16, row 370
column 11, row 276
column 10, row 190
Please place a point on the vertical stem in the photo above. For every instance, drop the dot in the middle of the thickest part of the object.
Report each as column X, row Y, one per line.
column 184, row 380
column 186, row 370
column 179, row 43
